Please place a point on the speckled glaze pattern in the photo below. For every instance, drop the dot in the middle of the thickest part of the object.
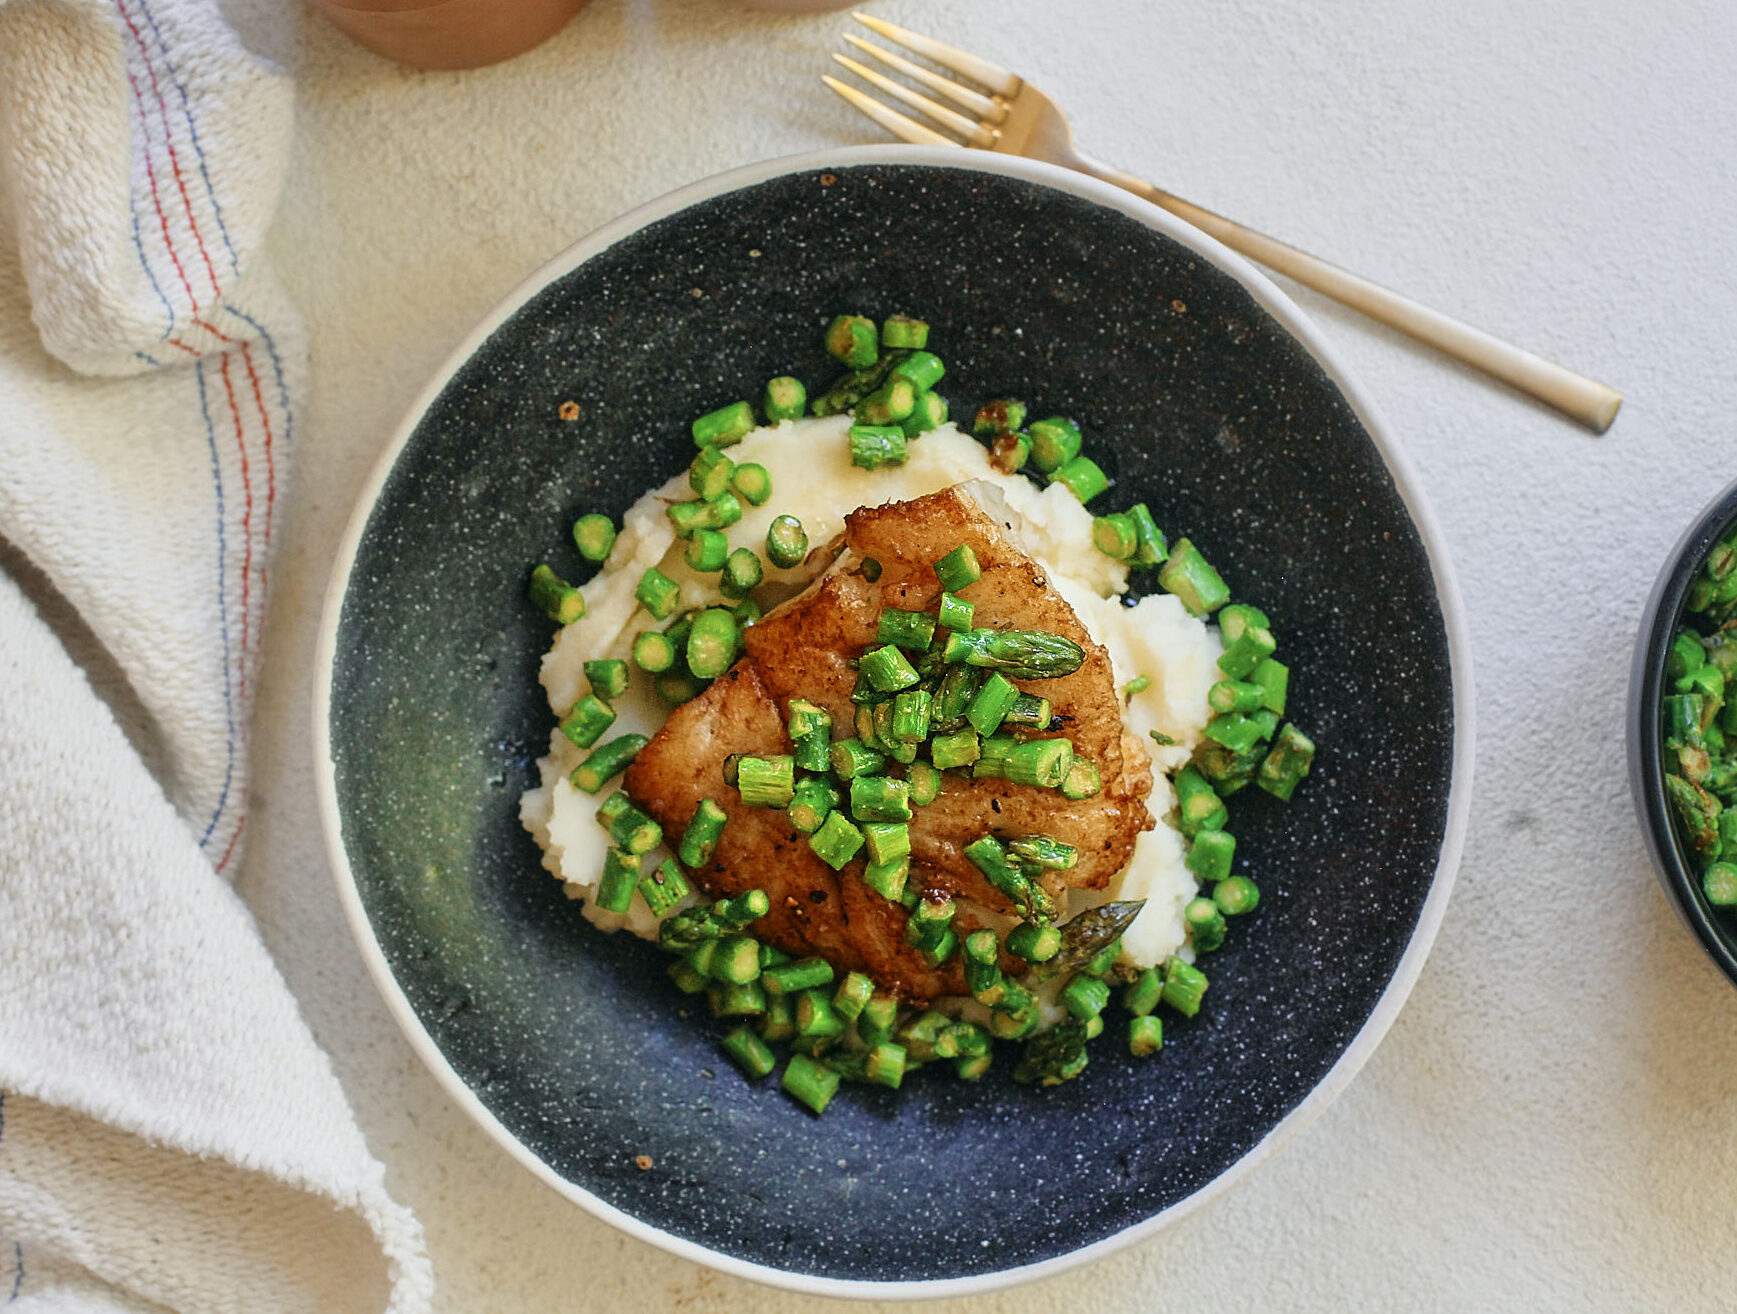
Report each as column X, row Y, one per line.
column 1678, row 871
column 1195, row 401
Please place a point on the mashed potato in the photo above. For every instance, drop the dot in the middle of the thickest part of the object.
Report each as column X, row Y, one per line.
column 814, row 480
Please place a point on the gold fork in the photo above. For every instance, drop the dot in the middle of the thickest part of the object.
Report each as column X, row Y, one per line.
column 1014, row 117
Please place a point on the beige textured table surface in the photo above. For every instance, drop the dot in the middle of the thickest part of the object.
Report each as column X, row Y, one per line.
column 1551, row 1122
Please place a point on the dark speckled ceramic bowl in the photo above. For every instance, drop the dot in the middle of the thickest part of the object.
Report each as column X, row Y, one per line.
column 1678, row 871
column 1205, row 393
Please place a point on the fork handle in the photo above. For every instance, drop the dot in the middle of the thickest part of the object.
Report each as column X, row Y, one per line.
column 1576, row 396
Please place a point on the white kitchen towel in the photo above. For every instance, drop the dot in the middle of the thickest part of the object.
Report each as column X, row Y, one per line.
column 171, row 1136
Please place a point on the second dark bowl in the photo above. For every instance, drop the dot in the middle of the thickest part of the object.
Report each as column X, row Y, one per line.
column 1677, row 869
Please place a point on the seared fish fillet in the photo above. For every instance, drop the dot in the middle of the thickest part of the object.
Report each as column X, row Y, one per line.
column 803, row 649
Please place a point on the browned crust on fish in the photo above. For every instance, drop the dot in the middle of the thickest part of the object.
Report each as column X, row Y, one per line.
column 803, row 649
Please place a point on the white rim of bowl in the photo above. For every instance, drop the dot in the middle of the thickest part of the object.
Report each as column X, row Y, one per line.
column 1282, row 309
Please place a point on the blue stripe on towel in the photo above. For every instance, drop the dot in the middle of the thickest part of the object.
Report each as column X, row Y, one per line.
column 222, row 607
column 139, row 245
column 192, row 133
column 277, row 368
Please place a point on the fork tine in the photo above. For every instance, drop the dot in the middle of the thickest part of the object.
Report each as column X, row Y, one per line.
column 974, row 133
column 899, row 125
column 993, row 76
column 986, row 110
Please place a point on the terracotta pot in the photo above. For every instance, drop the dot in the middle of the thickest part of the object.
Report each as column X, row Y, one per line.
column 449, row 33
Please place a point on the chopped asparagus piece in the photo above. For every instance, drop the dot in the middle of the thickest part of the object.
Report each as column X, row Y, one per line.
column 1036, row 942
column 888, row 669
column 887, row 841
column 719, row 512
column 630, row 828
column 852, row 758
column 837, row 841
column 786, row 399
column 608, row 678
column 742, row 573
column 1008, row 452
column 1054, row 1056
column 1210, row 855
column 1114, row 536
column 663, row 887
column 1184, row 987
column 620, row 879
column 1287, row 764
column 748, row 1052
column 930, row 412
column 688, row 978
column 958, row 569
column 589, row 718
column 853, row 340
column 1189, row 576
column 921, row 369
column 852, row 996
column 677, row 686
column 925, row 782
column 1238, row 619
column 888, row 878
column 793, row 978
column 1274, row 679
column 1206, row 925
column 709, row 473
column 1044, row 763
column 1151, row 549
column 1719, row 884
column 786, row 542
column 1144, row 992
column 1253, row 646
column 885, row 1065
column 752, row 483
column 657, row 593
column 849, row 389
column 1084, row 996
column 874, row 446
column 594, row 535
column 1236, row 731
column 555, row 597
column 1044, row 851
column 880, row 798
column 889, row 404
column 999, row 416
column 1145, row 1035
column 902, row 331
column 810, row 1082
column 1236, row 895
column 993, row 701
column 1082, row 477
column 1234, row 696
column 724, row 426
column 653, row 652
column 911, row 630
column 811, row 803
column 1054, row 442
column 878, row 1019
column 1197, row 804
column 706, row 551
column 766, row 782
column 1083, row 780
column 910, row 716
column 606, row 762
column 736, row 961
column 712, row 643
